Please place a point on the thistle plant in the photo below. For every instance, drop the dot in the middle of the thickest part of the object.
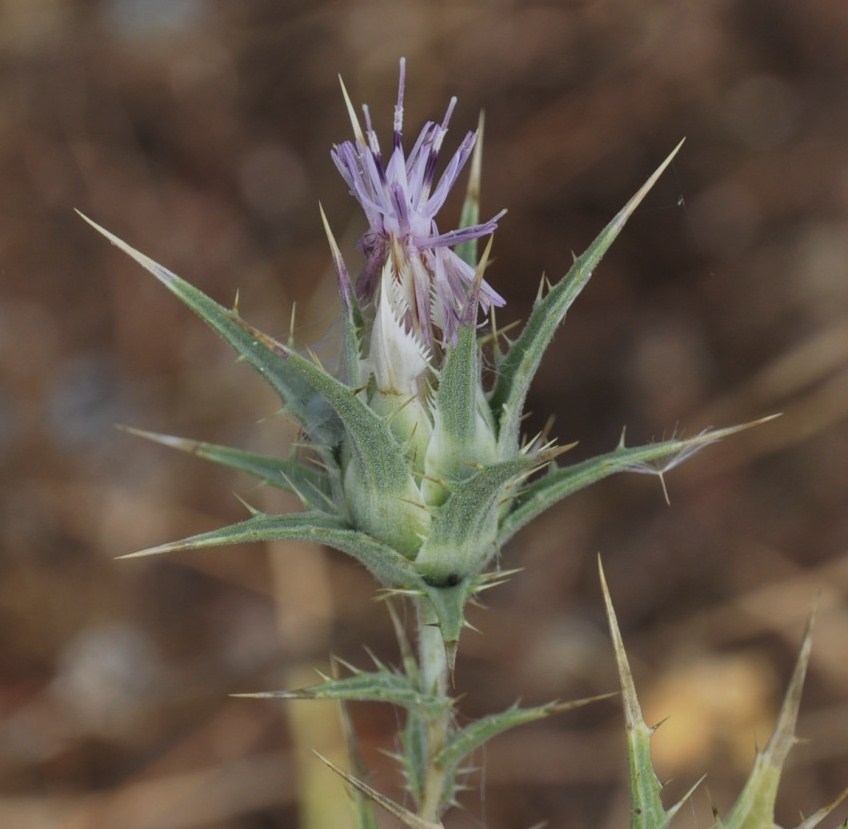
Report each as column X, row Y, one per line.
column 412, row 459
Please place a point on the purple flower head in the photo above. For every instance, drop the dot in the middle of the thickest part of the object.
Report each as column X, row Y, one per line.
column 400, row 199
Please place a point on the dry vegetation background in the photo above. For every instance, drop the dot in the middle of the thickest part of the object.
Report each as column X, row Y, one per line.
column 199, row 131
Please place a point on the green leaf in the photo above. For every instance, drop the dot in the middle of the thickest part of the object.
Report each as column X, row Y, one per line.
column 646, row 810
column 414, row 754
column 389, row 567
column 310, row 484
column 382, row 461
column 407, row 818
column 653, row 458
column 462, row 535
column 299, row 398
column 366, row 686
column 448, row 604
column 519, row 365
column 365, row 814
column 456, row 398
column 463, row 435
column 817, row 817
column 755, row 807
column 470, row 738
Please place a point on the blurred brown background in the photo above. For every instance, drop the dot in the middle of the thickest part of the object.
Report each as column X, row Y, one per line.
column 199, row 131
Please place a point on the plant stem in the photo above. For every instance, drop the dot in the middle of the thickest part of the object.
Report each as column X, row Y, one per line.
column 434, row 674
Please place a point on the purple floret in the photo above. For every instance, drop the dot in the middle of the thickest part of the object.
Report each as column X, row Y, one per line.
column 400, row 201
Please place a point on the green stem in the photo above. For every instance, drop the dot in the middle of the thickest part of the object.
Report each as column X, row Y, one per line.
column 434, row 674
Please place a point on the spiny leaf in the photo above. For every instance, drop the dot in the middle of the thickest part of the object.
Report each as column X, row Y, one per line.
column 470, row 738
column 414, row 754
column 467, row 521
column 458, row 395
column 537, row 496
column 365, row 686
column 366, row 817
column 755, row 806
column 448, row 604
column 647, row 811
column 289, row 474
column 519, row 365
column 381, row 457
column 403, row 814
column 817, row 817
column 463, row 435
column 388, row 566
column 299, row 398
